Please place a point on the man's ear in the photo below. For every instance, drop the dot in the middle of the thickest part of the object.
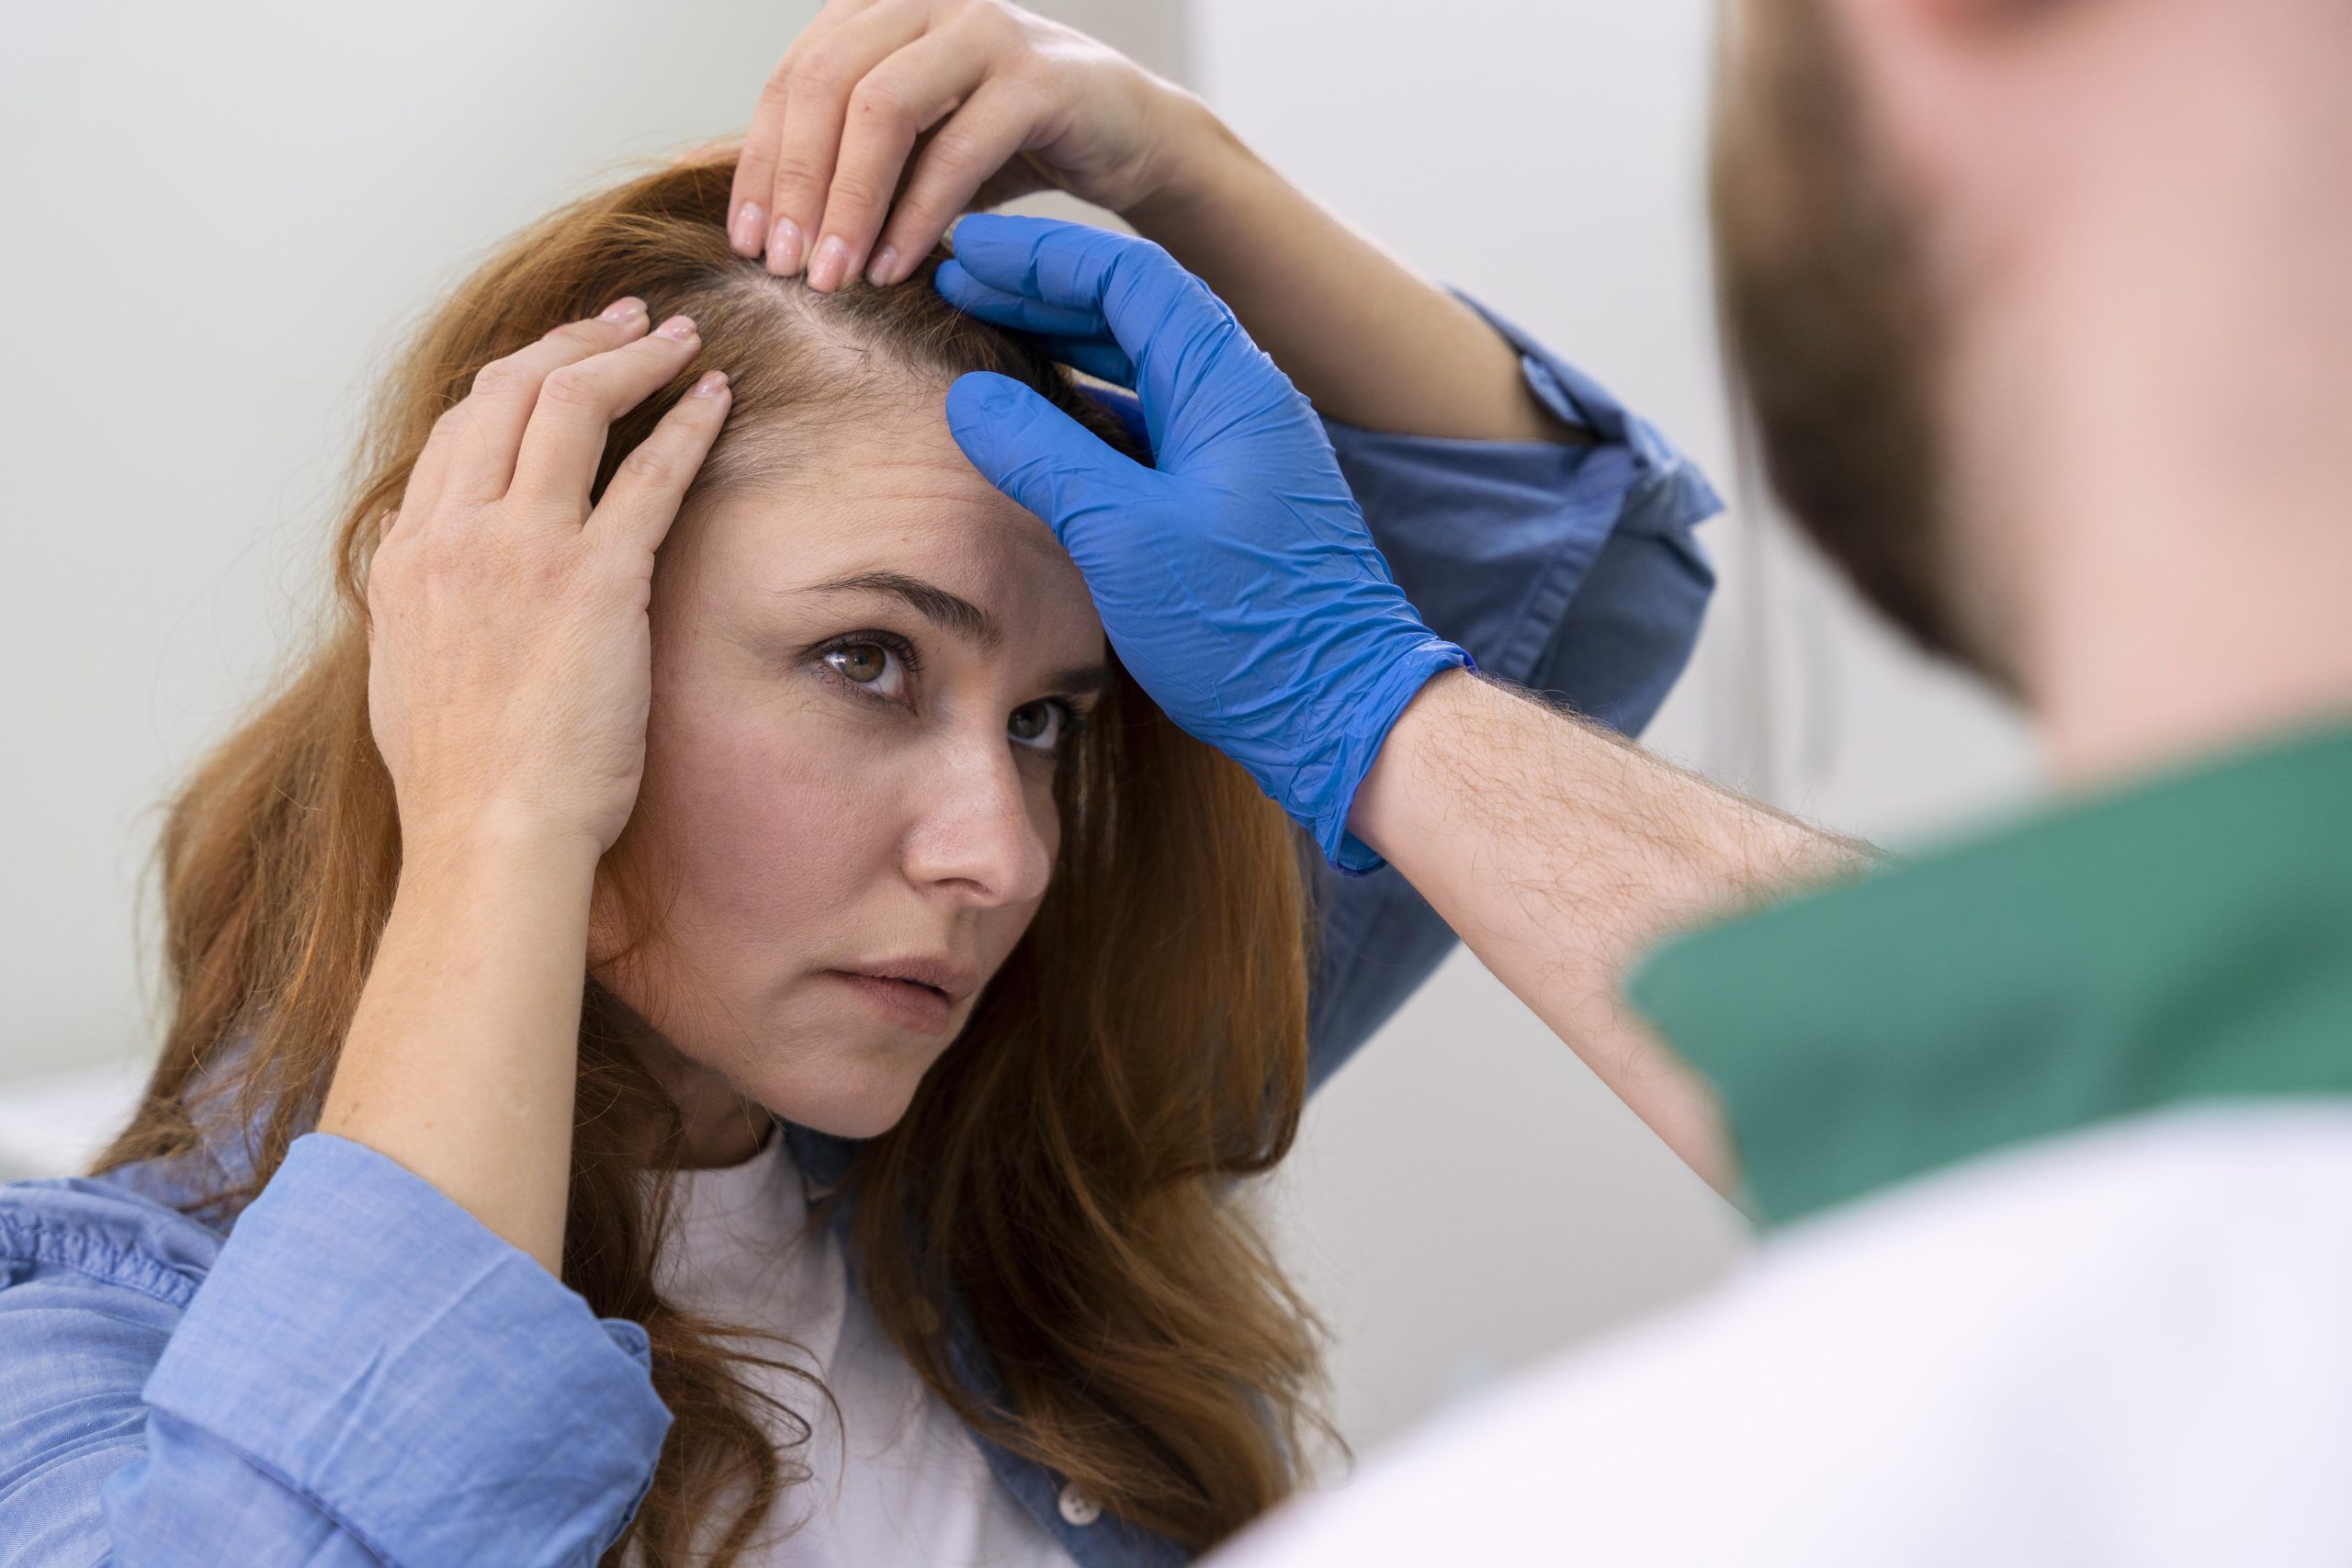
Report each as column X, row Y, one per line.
column 1930, row 71
column 1964, row 18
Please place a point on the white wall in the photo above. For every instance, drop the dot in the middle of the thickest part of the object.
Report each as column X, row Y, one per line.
column 221, row 218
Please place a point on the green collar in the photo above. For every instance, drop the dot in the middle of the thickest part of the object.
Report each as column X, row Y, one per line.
column 2187, row 938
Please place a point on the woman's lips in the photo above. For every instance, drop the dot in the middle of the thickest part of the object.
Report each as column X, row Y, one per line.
column 902, row 1001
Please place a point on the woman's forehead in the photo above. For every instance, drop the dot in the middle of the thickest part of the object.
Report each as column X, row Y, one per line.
column 891, row 503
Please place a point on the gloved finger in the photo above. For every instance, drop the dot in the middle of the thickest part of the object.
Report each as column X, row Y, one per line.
column 1044, row 459
column 1075, row 337
column 956, row 285
column 1181, row 337
column 1099, row 357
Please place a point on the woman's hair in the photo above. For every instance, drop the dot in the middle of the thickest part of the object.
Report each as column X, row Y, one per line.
column 1063, row 1182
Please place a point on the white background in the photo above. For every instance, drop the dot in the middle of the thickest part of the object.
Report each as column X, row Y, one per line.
column 219, row 219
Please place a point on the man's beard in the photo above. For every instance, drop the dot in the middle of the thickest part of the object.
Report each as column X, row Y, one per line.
column 1834, row 334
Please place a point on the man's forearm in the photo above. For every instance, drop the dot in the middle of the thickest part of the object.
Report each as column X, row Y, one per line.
column 1560, row 851
column 1368, row 340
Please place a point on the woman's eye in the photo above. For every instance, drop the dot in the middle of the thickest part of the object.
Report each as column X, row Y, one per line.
column 1040, row 725
column 871, row 665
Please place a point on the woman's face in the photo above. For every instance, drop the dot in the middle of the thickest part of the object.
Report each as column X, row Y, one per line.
column 861, row 682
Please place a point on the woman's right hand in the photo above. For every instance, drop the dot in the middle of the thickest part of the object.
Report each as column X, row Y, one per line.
column 510, row 654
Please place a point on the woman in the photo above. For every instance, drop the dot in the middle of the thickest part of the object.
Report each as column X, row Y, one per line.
column 709, row 958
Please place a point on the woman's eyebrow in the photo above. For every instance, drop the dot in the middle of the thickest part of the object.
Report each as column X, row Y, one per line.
column 950, row 612
column 954, row 612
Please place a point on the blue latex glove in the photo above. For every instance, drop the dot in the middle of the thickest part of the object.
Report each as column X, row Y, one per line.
column 1236, row 578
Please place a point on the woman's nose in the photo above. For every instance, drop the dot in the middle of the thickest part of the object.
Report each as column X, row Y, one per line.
column 975, row 831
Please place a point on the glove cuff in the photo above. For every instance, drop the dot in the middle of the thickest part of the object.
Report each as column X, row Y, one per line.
column 1365, row 732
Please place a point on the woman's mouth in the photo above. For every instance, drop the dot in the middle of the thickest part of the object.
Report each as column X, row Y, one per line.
column 910, row 1003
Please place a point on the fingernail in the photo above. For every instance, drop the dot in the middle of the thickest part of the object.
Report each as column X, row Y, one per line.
column 885, row 266
column 622, row 309
column 750, row 219
column 678, row 327
column 831, row 260
column 710, row 383
column 784, row 248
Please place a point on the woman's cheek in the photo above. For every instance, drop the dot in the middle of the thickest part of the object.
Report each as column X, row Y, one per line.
column 777, row 811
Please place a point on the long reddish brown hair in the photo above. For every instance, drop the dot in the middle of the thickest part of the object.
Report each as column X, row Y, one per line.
column 1065, row 1179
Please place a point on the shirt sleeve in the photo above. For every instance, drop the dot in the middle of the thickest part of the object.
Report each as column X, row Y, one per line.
column 1570, row 570
column 360, row 1372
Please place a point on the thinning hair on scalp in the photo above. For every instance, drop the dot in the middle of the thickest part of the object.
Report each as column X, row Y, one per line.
column 1068, row 1179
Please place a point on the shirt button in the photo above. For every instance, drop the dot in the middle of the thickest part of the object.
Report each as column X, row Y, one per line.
column 1078, row 1507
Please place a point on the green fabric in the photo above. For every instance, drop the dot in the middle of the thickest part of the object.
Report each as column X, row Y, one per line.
column 2187, row 938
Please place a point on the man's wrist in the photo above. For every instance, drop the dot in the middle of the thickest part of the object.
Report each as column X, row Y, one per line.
column 1379, row 815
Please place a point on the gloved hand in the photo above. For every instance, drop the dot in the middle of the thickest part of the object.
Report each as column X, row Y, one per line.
column 1236, row 578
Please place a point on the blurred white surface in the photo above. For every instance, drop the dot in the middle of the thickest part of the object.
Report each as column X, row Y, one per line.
column 56, row 1124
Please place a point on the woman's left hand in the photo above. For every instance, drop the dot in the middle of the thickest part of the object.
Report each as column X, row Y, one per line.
column 988, row 102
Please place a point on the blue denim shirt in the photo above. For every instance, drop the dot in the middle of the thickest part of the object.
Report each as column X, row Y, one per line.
column 360, row 1372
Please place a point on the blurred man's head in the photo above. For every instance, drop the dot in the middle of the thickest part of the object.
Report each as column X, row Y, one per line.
column 2039, row 300
column 1834, row 327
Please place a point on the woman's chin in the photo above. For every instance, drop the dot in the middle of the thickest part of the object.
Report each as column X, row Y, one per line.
column 854, row 1101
